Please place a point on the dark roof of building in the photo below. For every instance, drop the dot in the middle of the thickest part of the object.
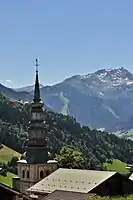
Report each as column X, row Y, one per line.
column 66, row 195
column 11, row 190
column 73, row 180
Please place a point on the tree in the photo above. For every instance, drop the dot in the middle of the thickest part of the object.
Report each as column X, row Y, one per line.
column 13, row 161
column 12, row 165
column 70, row 158
column 3, row 172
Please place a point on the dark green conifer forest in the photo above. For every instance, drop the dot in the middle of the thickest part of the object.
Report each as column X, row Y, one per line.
column 94, row 146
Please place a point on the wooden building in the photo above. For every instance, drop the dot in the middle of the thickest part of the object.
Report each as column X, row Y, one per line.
column 83, row 181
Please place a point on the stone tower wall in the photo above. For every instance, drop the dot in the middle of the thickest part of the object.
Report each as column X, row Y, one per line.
column 32, row 173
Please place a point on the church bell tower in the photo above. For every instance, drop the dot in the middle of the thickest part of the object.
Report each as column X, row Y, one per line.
column 35, row 166
column 36, row 146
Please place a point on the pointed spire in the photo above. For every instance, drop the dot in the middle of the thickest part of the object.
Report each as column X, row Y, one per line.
column 37, row 89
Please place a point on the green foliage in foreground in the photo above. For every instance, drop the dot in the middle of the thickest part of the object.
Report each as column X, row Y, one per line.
column 7, row 180
column 129, row 197
column 117, row 166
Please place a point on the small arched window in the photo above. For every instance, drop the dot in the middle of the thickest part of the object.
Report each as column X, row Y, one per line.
column 41, row 174
column 47, row 172
column 23, row 173
column 28, row 174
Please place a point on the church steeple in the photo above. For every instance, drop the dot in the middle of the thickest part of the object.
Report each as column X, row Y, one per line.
column 37, row 98
column 35, row 164
column 37, row 143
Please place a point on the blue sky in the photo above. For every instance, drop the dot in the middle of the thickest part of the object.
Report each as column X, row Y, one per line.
column 68, row 36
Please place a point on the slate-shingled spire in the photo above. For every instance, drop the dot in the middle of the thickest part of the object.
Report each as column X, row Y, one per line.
column 37, row 90
column 36, row 145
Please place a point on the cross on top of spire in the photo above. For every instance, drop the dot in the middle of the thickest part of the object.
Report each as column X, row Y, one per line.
column 36, row 65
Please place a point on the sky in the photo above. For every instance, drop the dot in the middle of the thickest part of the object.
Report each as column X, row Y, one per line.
column 69, row 37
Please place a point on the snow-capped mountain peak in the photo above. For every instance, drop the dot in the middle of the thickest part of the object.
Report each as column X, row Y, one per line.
column 111, row 76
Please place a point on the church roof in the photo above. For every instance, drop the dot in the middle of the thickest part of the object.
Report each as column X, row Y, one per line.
column 22, row 161
column 52, row 161
column 73, row 180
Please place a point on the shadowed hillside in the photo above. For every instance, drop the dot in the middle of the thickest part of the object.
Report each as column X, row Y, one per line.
column 97, row 147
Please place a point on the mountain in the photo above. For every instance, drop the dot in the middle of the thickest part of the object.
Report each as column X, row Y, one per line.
column 26, row 88
column 103, row 83
column 24, row 96
column 103, row 99
column 61, row 130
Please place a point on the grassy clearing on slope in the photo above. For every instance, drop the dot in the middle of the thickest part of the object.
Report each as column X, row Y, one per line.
column 7, row 180
column 117, row 166
column 65, row 109
column 128, row 197
column 6, row 154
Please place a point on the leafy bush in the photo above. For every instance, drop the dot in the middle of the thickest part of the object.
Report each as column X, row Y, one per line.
column 3, row 172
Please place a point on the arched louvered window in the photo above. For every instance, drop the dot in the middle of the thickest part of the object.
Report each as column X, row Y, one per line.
column 23, row 173
column 41, row 174
column 47, row 172
column 28, row 174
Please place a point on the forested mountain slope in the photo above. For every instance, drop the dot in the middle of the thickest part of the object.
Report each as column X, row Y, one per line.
column 61, row 130
column 94, row 99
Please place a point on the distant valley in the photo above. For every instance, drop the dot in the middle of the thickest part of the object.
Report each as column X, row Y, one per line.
column 103, row 99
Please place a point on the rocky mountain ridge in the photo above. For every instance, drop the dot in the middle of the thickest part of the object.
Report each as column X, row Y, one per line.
column 103, row 82
column 103, row 99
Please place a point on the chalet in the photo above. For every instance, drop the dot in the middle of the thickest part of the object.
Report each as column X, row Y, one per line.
column 83, row 182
